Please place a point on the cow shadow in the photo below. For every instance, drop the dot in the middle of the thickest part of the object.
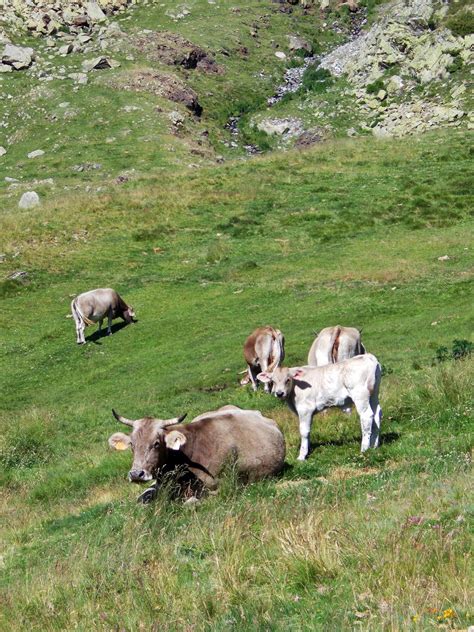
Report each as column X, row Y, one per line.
column 97, row 335
column 385, row 438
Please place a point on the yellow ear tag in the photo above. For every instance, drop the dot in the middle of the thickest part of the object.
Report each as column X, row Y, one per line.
column 120, row 445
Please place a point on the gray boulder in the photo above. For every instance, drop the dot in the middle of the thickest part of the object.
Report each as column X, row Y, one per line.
column 17, row 56
column 29, row 199
column 36, row 154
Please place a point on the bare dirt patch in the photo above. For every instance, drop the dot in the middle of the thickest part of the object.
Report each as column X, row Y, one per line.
column 173, row 50
column 159, row 83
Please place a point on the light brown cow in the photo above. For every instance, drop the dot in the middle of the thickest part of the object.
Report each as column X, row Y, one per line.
column 334, row 344
column 202, row 447
column 93, row 306
column 264, row 350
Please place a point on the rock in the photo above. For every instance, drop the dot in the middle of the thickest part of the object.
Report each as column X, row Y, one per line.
column 381, row 132
column 17, row 56
column 65, row 50
column 36, row 154
column 94, row 12
column 352, row 132
column 458, row 91
column 394, row 84
column 310, row 137
column 279, row 127
column 78, row 77
column 99, row 63
column 444, row 258
column 381, row 95
column 5, row 68
column 17, row 275
column 280, row 54
column 3, row 151
column 176, row 118
column 298, row 43
column 29, row 199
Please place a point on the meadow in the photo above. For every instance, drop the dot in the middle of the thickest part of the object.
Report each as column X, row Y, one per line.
column 349, row 232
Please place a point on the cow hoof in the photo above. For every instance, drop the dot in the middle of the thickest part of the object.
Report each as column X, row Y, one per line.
column 301, row 457
column 190, row 502
column 148, row 496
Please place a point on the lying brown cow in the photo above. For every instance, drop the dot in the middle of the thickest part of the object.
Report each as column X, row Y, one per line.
column 202, row 447
column 264, row 349
column 93, row 306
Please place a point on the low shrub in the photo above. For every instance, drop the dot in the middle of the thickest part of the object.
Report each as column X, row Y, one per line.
column 461, row 23
column 316, row 79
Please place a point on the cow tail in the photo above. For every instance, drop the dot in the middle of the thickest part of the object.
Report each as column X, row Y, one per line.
column 335, row 344
column 75, row 310
column 79, row 314
column 278, row 351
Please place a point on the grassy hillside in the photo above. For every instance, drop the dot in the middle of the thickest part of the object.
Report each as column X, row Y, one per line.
column 351, row 233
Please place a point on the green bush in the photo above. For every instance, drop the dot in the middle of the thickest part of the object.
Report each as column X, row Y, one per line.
column 460, row 349
column 461, row 23
column 316, row 79
column 375, row 86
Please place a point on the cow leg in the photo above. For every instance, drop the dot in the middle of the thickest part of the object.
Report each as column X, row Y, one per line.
column 375, row 436
column 305, row 428
column 80, row 326
column 366, row 416
column 100, row 325
column 264, row 367
column 253, row 379
column 148, row 495
column 109, row 322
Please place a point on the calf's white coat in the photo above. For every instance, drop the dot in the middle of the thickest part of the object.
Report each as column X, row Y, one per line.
column 309, row 390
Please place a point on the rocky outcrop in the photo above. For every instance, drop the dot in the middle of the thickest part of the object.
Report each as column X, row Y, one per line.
column 46, row 17
column 390, row 66
column 402, row 38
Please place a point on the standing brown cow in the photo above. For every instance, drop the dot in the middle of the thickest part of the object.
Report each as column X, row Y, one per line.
column 93, row 306
column 334, row 344
column 264, row 350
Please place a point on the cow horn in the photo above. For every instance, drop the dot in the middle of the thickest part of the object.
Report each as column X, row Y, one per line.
column 174, row 421
column 123, row 420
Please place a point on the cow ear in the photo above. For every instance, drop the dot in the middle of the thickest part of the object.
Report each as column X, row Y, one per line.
column 297, row 372
column 264, row 377
column 119, row 441
column 175, row 440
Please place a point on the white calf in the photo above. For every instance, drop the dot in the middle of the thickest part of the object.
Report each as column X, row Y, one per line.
column 309, row 390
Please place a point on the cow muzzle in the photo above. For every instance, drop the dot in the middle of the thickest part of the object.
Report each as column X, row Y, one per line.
column 280, row 394
column 139, row 476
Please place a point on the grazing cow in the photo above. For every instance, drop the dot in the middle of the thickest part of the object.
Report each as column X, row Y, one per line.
column 202, row 447
column 92, row 307
column 264, row 350
column 334, row 344
column 309, row 390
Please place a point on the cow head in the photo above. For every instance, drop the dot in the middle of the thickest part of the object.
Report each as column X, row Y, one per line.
column 149, row 442
column 129, row 315
column 281, row 379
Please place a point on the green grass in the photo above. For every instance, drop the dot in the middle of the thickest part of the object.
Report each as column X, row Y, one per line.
column 347, row 233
